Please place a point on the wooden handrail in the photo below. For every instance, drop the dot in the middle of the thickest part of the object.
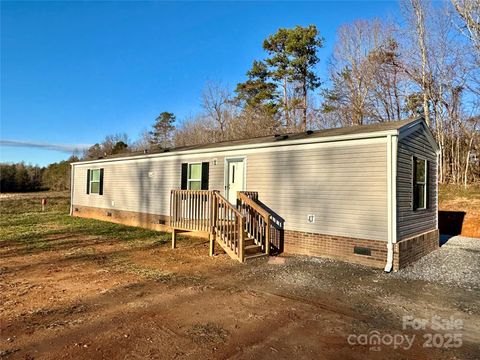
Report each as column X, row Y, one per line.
column 229, row 228
column 257, row 219
column 227, row 203
column 251, row 194
column 242, row 196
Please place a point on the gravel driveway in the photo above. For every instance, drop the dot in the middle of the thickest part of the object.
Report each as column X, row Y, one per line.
column 457, row 263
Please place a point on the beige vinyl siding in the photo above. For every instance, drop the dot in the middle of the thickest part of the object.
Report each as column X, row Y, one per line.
column 343, row 183
column 131, row 188
column 412, row 222
column 345, row 187
column 216, row 179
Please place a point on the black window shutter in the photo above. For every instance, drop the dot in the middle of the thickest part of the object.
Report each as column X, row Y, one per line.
column 88, row 181
column 100, row 190
column 205, row 167
column 427, row 185
column 414, row 184
column 184, row 176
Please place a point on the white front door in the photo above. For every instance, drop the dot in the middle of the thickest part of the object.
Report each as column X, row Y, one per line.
column 235, row 179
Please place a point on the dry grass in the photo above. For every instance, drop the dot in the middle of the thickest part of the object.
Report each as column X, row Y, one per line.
column 23, row 222
column 458, row 198
column 469, row 195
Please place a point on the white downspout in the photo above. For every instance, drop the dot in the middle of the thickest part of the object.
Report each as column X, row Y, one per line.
column 72, row 182
column 436, row 189
column 391, row 198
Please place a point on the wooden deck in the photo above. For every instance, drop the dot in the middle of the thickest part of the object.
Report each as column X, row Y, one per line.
column 243, row 231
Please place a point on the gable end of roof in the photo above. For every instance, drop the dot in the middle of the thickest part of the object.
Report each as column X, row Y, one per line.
column 407, row 129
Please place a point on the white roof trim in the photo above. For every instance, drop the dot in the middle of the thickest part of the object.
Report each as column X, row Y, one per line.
column 325, row 139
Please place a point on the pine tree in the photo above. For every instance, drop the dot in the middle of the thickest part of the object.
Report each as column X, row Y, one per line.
column 163, row 129
column 293, row 57
column 258, row 93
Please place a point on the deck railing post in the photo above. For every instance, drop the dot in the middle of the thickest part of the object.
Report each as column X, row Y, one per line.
column 172, row 213
column 214, row 216
column 267, row 236
column 174, row 238
column 212, row 244
column 241, row 242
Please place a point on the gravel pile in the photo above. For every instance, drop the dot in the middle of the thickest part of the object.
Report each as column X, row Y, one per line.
column 456, row 263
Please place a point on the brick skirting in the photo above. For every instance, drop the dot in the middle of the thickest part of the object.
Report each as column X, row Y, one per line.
column 410, row 250
column 131, row 218
column 296, row 242
column 335, row 247
column 342, row 248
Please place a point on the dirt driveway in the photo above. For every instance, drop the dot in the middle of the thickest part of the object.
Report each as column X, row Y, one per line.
column 93, row 298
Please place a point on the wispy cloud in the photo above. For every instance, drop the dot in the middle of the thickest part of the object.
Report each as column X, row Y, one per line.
column 65, row 148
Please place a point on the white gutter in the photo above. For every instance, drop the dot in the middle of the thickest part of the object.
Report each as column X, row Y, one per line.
column 392, row 145
column 312, row 140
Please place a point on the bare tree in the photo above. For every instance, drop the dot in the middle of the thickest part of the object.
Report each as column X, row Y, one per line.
column 473, row 134
column 419, row 22
column 439, row 65
column 469, row 12
column 217, row 101
column 144, row 141
column 365, row 74
column 112, row 144
column 195, row 130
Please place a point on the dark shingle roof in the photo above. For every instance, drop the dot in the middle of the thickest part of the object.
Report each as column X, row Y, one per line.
column 350, row 130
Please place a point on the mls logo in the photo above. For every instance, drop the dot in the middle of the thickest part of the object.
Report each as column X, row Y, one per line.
column 311, row 218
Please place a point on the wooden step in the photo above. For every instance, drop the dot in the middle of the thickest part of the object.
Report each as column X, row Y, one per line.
column 249, row 241
column 252, row 249
column 254, row 256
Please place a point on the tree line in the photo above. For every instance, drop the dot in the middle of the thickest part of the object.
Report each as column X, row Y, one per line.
column 426, row 64
column 20, row 177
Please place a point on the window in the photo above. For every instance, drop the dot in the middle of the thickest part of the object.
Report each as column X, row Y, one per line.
column 195, row 176
column 420, row 171
column 95, row 181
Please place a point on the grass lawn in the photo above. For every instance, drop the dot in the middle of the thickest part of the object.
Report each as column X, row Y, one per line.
column 23, row 222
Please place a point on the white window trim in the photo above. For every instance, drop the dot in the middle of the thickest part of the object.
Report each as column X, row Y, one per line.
column 92, row 182
column 188, row 174
column 424, row 183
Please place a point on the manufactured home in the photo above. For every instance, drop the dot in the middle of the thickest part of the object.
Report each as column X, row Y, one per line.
column 364, row 194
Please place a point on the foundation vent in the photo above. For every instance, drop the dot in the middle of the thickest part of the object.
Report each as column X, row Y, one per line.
column 109, row 213
column 362, row 251
column 279, row 137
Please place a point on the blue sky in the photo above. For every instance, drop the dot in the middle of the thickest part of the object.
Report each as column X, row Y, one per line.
column 74, row 72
